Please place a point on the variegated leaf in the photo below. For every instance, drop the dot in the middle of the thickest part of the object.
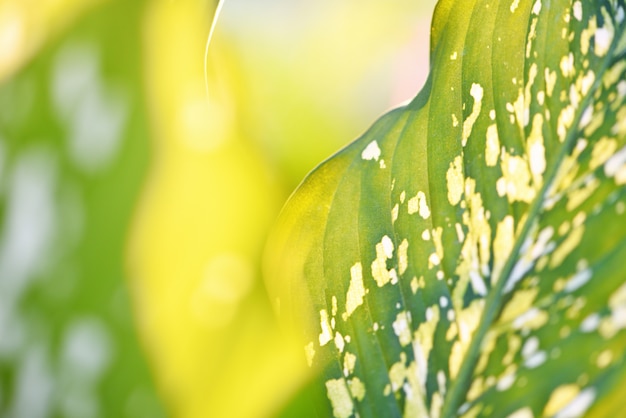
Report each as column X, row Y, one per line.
column 463, row 257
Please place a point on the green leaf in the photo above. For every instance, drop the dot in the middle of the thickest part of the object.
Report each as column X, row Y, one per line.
column 73, row 154
column 463, row 257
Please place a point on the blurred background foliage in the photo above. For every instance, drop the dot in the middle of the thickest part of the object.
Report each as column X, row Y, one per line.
column 134, row 208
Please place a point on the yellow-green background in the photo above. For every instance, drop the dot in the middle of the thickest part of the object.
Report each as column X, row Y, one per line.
column 134, row 207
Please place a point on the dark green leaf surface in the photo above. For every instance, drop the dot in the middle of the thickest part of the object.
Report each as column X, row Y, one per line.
column 464, row 257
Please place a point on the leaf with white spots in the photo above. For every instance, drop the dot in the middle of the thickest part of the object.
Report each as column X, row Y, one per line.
column 478, row 271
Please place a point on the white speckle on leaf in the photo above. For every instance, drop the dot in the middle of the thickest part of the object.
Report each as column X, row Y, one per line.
column 603, row 38
column 340, row 399
column 590, row 323
column 530, row 347
column 516, row 180
column 536, row 150
column 459, row 232
column 326, row 334
column 565, row 121
column 522, row 413
column 387, row 246
column 578, row 280
column 505, row 382
column 492, row 146
column 349, row 361
column 502, row 246
column 384, row 251
column 395, row 212
column 371, row 152
column 536, row 360
column 418, row 204
column 403, row 260
column 526, row 317
column 519, row 270
column 567, row 65
column 429, row 314
column 537, row 7
column 357, row 388
column 451, row 315
column 578, row 10
column 541, row 97
column 604, row 359
column 476, row 91
column 621, row 88
column 455, row 180
column 579, row 405
column 615, row 163
column 586, row 117
column 441, row 381
column 356, row 291
column 478, row 284
column 339, row 342
column 401, row 328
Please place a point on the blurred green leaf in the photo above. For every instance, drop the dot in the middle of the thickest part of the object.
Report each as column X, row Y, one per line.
column 73, row 152
column 463, row 257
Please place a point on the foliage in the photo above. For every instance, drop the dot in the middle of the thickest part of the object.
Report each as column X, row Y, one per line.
column 73, row 152
column 133, row 209
column 463, row 257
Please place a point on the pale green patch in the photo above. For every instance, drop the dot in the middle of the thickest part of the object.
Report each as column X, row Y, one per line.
column 476, row 92
column 357, row 388
column 403, row 259
column 516, row 180
column 340, row 399
column 309, row 351
column 349, row 361
column 514, row 6
column 454, row 178
column 418, row 204
column 384, row 252
column 356, row 291
column 567, row 246
column 578, row 406
column 401, row 327
column 492, row 146
column 522, row 413
column 326, row 335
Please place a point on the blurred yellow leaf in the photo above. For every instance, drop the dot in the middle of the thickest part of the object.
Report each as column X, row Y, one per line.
column 205, row 318
column 25, row 25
